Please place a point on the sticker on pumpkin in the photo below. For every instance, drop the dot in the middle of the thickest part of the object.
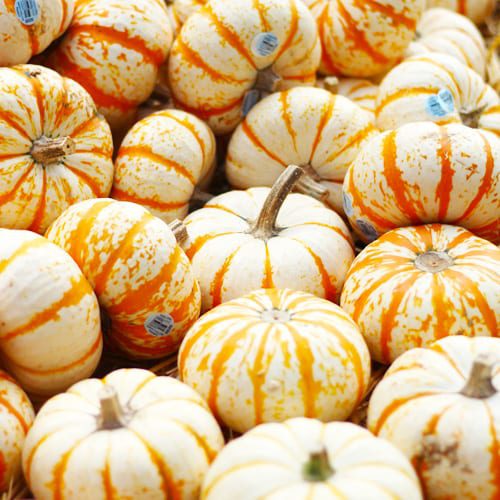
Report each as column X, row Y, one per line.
column 159, row 324
column 264, row 44
column 27, row 11
column 440, row 104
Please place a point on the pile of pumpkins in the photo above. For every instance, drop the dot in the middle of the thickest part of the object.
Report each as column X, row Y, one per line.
column 354, row 146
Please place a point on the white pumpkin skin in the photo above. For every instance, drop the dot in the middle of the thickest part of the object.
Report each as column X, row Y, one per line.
column 161, row 450
column 270, row 462
column 50, row 330
column 38, row 106
column 421, row 173
column 440, row 30
column 16, row 417
column 161, row 161
column 273, row 355
column 476, row 10
column 308, row 127
column 22, row 37
column 451, row 438
column 411, row 93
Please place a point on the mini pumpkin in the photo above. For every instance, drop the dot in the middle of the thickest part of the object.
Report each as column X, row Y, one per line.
column 415, row 285
column 477, row 10
column 28, row 27
column 16, row 417
column 114, row 50
column 423, row 172
column 276, row 354
column 304, row 126
column 129, row 435
column 55, row 148
column 440, row 30
column 271, row 239
column 50, row 330
column 182, row 9
column 364, row 38
column 440, row 406
column 230, row 52
column 362, row 92
column 142, row 278
column 437, row 87
column 306, row 459
column 162, row 160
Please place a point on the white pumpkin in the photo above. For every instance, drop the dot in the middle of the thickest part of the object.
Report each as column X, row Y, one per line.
column 477, row 10
column 304, row 459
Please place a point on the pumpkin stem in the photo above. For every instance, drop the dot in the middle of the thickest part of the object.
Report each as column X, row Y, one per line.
column 318, row 467
column 331, row 83
column 471, row 118
column 480, row 382
column 47, row 151
column 267, row 80
column 112, row 414
column 180, row 230
column 433, row 262
column 310, row 184
column 265, row 224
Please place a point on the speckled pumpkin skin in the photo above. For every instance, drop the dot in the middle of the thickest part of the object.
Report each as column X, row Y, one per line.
column 476, row 10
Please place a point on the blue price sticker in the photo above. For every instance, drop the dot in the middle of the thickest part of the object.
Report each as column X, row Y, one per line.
column 440, row 104
column 159, row 324
column 264, row 44
column 27, row 11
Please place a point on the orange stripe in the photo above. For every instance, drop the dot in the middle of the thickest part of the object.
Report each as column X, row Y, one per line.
column 294, row 25
column 15, row 413
column 443, row 307
column 64, row 16
column 29, row 460
column 247, row 130
column 218, row 281
column 204, row 112
column 445, row 185
column 200, row 440
column 462, row 7
column 261, row 11
column 443, row 68
column 9, row 118
column 326, row 59
column 21, row 251
column 10, row 195
column 121, row 195
column 57, row 484
column 494, row 450
column 346, row 237
column 107, row 480
column 386, row 10
column 399, row 239
column 287, row 117
column 37, row 91
column 87, row 180
column 326, row 115
column 196, row 245
column 354, row 140
column 405, row 92
column 36, row 223
column 446, row 355
column 267, row 282
column 257, row 374
column 86, row 126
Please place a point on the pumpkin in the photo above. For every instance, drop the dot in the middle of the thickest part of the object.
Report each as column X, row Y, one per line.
column 477, row 10
column 423, row 172
column 28, row 27
column 440, row 30
column 276, row 354
column 50, row 331
column 182, row 9
column 130, row 435
column 231, row 52
column 114, row 50
column 304, row 126
column 55, row 149
column 262, row 238
column 161, row 161
column 361, row 92
column 440, row 406
column 415, row 285
column 306, row 459
column 364, row 38
column 436, row 87
column 142, row 278
column 16, row 417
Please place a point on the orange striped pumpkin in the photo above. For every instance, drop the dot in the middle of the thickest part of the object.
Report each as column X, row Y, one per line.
column 229, row 50
column 129, row 435
column 415, row 285
column 50, row 330
column 161, row 161
column 114, row 50
column 181, row 9
column 441, row 407
column 436, row 87
column 304, row 126
column 29, row 27
column 423, row 172
column 55, row 148
column 261, row 238
column 440, row 30
column 362, row 38
column 477, row 10
column 16, row 417
column 276, row 354
column 142, row 278
column 362, row 92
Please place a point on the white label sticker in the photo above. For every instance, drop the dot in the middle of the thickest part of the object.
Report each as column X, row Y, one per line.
column 27, row 11
column 440, row 104
column 159, row 324
column 264, row 44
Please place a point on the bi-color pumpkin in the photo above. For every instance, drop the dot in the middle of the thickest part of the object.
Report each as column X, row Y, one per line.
column 129, row 435
column 441, row 407
column 142, row 278
column 231, row 51
column 423, row 172
column 309, row 127
column 418, row 284
column 50, row 330
column 55, row 150
column 276, row 354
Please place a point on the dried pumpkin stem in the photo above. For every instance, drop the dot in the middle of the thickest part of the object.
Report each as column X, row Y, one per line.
column 331, row 83
column 265, row 224
column 180, row 230
column 310, row 184
column 433, row 262
column 112, row 414
column 47, row 151
column 480, row 382
column 318, row 467
column 471, row 118
column 267, row 80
